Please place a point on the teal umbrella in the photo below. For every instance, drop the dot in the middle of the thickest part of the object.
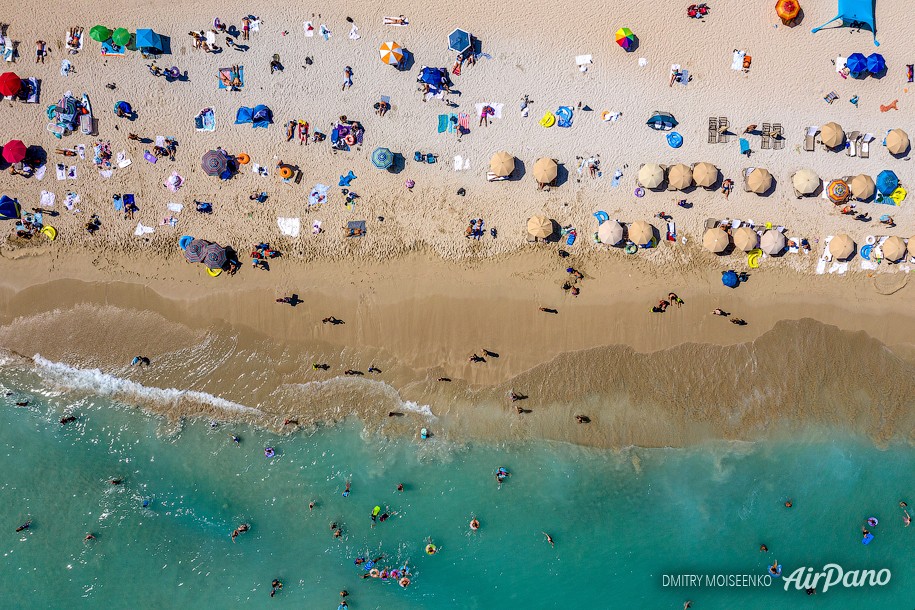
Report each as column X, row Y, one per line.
column 382, row 158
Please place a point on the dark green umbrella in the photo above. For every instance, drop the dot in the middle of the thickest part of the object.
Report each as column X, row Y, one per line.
column 99, row 33
column 120, row 36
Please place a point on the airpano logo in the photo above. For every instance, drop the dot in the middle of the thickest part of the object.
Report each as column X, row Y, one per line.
column 833, row 575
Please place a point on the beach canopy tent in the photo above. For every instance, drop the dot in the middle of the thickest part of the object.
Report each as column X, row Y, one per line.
column 650, row 176
column 459, row 41
column 705, row 174
column 382, row 158
column 887, row 182
column 805, row 181
column 215, row 162
column 149, row 42
column 831, row 135
column 897, row 142
column 745, row 239
column 842, row 246
column 99, row 33
column 716, row 240
column 893, row 248
column 9, row 208
column 856, row 63
column 610, row 232
column 540, row 226
column 10, row 84
column 391, row 53
column 641, row 234
column 662, row 121
column 759, row 181
column 14, row 151
column 545, row 170
column 862, row 187
column 680, row 176
column 772, row 242
column 856, row 13
column 259, row 116
column 502, row 164
column 625, row 38
column 787, row 10
column 837, row 191
column 875, row 63
column 194, row 251
column 730, row 279
column 120, row 36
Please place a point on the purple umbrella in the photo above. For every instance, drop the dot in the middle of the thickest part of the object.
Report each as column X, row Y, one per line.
column 214, row 256
column 194, row 252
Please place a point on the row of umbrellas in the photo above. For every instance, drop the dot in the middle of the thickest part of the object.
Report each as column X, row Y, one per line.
column 209, row 253
column 745, row 239
column 679, row 176
column 609, row 232
column 862, row 186
column 833, row 136
column 873, row 63
column 119, row 36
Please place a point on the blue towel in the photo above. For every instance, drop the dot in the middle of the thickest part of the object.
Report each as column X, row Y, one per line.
column 118, row 203
column 601, row 216
column 345, row 180
column 128, row 198
column 442, row 123
column 564, row 116
column 452, row 123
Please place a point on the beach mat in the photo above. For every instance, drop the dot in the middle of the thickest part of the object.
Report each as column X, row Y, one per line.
column 442, row 123
column 227, row 72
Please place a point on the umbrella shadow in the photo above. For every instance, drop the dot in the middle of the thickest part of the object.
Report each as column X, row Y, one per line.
column 398, row 164
column 520, row 171
column 562, row 175
column 36, row 154
column 409, row 60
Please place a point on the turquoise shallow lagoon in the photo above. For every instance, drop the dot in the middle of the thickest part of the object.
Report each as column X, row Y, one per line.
column 620, row 520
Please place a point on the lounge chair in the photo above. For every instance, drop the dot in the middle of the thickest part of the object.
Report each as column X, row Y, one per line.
column 778, row 137
column 863, row 146
column 746, row 174
column 831, row 97
column 723, row 129
column 852, row 138
column 766, row 142
column 810, row 139
column 712, row 130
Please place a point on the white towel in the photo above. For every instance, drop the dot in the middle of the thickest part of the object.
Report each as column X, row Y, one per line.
column 160, row 141
column 61, row 170
column 255, row 25
column 289, row 226
column 643, row 62
column 142, row 230
column 81, row 151
column 71, row 172
column 582, row 60
column 40, row 172
column 105, row 173
column 458, row 163
column 316, row 227
column 174, row 207
column 47, row 199
column 71, row 201
column 309, row 29
column 737, row 60
column 840, row 63
column 354, row 33
column 122, row 160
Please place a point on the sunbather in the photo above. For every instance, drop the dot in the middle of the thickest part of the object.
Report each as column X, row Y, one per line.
column 347, row 78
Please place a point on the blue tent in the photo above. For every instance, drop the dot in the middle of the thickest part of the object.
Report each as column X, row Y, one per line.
column 149, row 41
column 9, row 208
column 858, row 13
column 435, row 77
column 259, row 116
column 875, row 63
column 887, row 182
column 856, row 63
column 662, row 121
column 458, row 41
column 730, row 279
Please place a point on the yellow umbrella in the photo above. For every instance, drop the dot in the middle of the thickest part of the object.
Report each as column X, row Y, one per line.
column 893, row 248
column 842, row 246
column 650, row 175
column 391, row 53
column 502, row 164
column 545, row 170
column 716, row 240
column 772, row 242
column 705, row 174
column 862, row 186
column 759, row 180
column 540, row 226
column 680, row 176
column 610, row 232
column 897, row 142
column 832, row 135
column 641, row 233
column 805, row 181
column 745, row 239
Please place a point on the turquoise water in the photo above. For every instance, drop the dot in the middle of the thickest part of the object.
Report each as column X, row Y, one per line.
column 620, row 520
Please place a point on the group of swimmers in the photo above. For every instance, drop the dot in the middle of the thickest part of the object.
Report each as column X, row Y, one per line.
column 400, row 575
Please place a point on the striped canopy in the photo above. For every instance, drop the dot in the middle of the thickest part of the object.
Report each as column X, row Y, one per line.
column 382, row 158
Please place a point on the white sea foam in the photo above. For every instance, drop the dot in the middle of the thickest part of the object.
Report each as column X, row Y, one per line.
column 424, row 410
column 98, row 382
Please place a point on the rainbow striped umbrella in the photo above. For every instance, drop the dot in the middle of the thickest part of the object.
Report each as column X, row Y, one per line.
column 625, row 38
column 837, row 191
column 391, row 53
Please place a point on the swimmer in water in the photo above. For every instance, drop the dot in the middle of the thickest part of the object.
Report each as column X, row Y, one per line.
column 906, row 518
column 275, row 586
column 338, row 533
column 788, row 504
column 346, row 489
column 24, row 526
column 88, row 538
column 763, row 548
column 311, row 505
column 239, row 530
column 549, row 539
column 474, row 524
column 67, row 419
column 235, row 439
column 116, row 481
column 400, row 487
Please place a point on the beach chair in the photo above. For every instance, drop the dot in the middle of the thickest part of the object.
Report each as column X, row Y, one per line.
column 852, row 138
column 778, row 137
column 766, row 142
column 712, row 130
column 85, row 124
column 746, row 174
column 863, row 146
column 831, row 97
column 810, row 139
column 723, row 129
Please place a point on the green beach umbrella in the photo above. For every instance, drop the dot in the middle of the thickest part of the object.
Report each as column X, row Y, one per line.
column 120, row 36
column 99, row 33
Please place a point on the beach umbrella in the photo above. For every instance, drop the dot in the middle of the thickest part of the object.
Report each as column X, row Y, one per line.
column 650, row 175
column 382, row 158
column 391, row 53
column 545, row 170
column 893, row 248
column 705, row 174
column 662, row 121
column 805, row 181
column 625, row 38
column 502, row 164
column 99, row 33
column 887, row 182
column 9, row 208
column 787, row 10
column 214, row 162
column 837, row 191
column 897, row 142
column 832, row 135
column 641, row 233
column 680, row 176
column 841, row 246
column 540, row 226
column 772, row 242
column 147, row 39
column 214, row 256
column 10, row 84
column 14, row 151
column 745, row 239
column 716, row 240
column 120, row 36
column 759, row 181
column 730, row 279
column 862, row 186
column 458, row 41
column 856, row 63
column 610, row 232
column 194, row 251
column 875, row 63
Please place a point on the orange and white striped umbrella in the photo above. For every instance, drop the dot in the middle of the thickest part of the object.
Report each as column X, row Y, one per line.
column 391, row 53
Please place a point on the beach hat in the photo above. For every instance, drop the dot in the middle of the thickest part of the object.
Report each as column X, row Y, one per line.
column 832, row 135
column 540, row 226
column 502, row 164
column 805, row 181
column 893, row 248
column 545, row 170
column 772, row 242
column 705, row 174
column 862, row 186
column 610, row 232
column 650, row 176
column 897, row 142
column 745, row 239
column 716, row 240
column 391, row 53
column 759, row 181
column 680, row 176
column 842, row 246
column 641, row 233
column 837, row 191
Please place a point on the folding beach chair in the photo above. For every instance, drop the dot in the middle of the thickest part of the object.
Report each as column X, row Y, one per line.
column 810, row 139
column 712, row 130
column 852, row 149
column 766, row 143
column 723, row 135
column 863, row 146
column 778, row 138
column 831, row 97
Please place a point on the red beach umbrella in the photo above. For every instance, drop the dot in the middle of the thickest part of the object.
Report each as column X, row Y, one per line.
column 10, row 84
column 14, row 151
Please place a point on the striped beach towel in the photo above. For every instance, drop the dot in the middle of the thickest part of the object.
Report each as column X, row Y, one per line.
column 464, row 121
column 452, row 122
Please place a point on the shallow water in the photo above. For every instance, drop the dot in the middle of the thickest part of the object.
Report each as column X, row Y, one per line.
column 621, row 520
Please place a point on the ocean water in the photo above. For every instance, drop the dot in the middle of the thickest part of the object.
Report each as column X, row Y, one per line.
column 621, row 520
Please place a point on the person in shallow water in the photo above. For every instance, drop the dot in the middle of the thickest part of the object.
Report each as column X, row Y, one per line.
column 276, row 585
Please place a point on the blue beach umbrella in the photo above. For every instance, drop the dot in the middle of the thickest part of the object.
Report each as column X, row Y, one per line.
column 674, row 139
column 382, row 158
column 856, row 63
column 459, row 41
column 148, row 41
column 887, row 182
column 875, row 63
column 730, row 279
column 662, row 121
column 9, row 208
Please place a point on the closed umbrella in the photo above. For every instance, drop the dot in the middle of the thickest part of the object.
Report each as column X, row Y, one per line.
column 805, row 181
column 787, row 10
column 680, row 176
column 625, row 38
column 610, row 232
column 856, row 63
column 459, row 41
column 897, row 142
column 120, row 36
column 772, row 242
column 391, row 53
column 887, row 182
column 875, row 63
column 862, row 186
column 841, row 246
column 214, row 256
column 837, row 191
column 832, row 135
column 540, row 226
column 545, row 170
column 214, row 162
column 14, row 151
column 10, row 84
column 759, row 180
column 893, row 249
column 716, row 240
column 99, row 33
column 641, row 233
column 650, row 175
column 745, row 239
column 382, row 158
column 194, row 251
column 705, row 174
column 502, row 164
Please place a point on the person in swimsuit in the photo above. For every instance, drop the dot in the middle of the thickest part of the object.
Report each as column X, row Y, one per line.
column 346, row 489
column 549, row 539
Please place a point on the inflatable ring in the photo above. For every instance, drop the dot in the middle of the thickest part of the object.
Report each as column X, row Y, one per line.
column 374, row 573
column 548, row 120
column 350, row 139
column 430, row 549
column 605, row 115
column 631, row 249
column 753, row 257
column 184, row 240
column 404, row 582
column 395, row 573
column 639, row 192
column 872, row 521
column 474, row 524
column 214, row 272
column 776, row 573
column 285, row 172
column 269, row 452
column 870, row 240
column 243, row 158
column 866, row 251
column 49, row 232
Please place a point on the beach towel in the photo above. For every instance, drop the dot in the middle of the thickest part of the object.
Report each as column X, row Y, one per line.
column 318, row 195
column 61, row 171
column 122, row 160
column 105, row 173
column 684, row 77
column 79, row 42
column 111, row 49
column 316, row 227
column 118, row 203
column 71, row 201
column 160, row 141
column 47, row 199
column 458, row 163
column 452, row 123
column 325, row 33
column 41, row 171
column 142, row 230
column 564, row 116
column 617, row 175
column 309, row 29
column 71, row 172
column 345, row 180
column 289, row 226
column 442, row 123
column 737, row 60
column 81, row 151
column 65, row 67
column 174, row 207
column 464, row 122
column 173, row 182
column 149, row 156
column 354, row 33
column 582, row 61
column 205, row 120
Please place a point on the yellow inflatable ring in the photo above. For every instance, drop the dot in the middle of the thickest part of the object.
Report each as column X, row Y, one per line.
column 214, row 272
column 548, row 120
column 49, row 232
column 285, row 172
column 604, row 116
column 404, row 582
column 753, row 257
column 430, row 549
column 243, row 158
